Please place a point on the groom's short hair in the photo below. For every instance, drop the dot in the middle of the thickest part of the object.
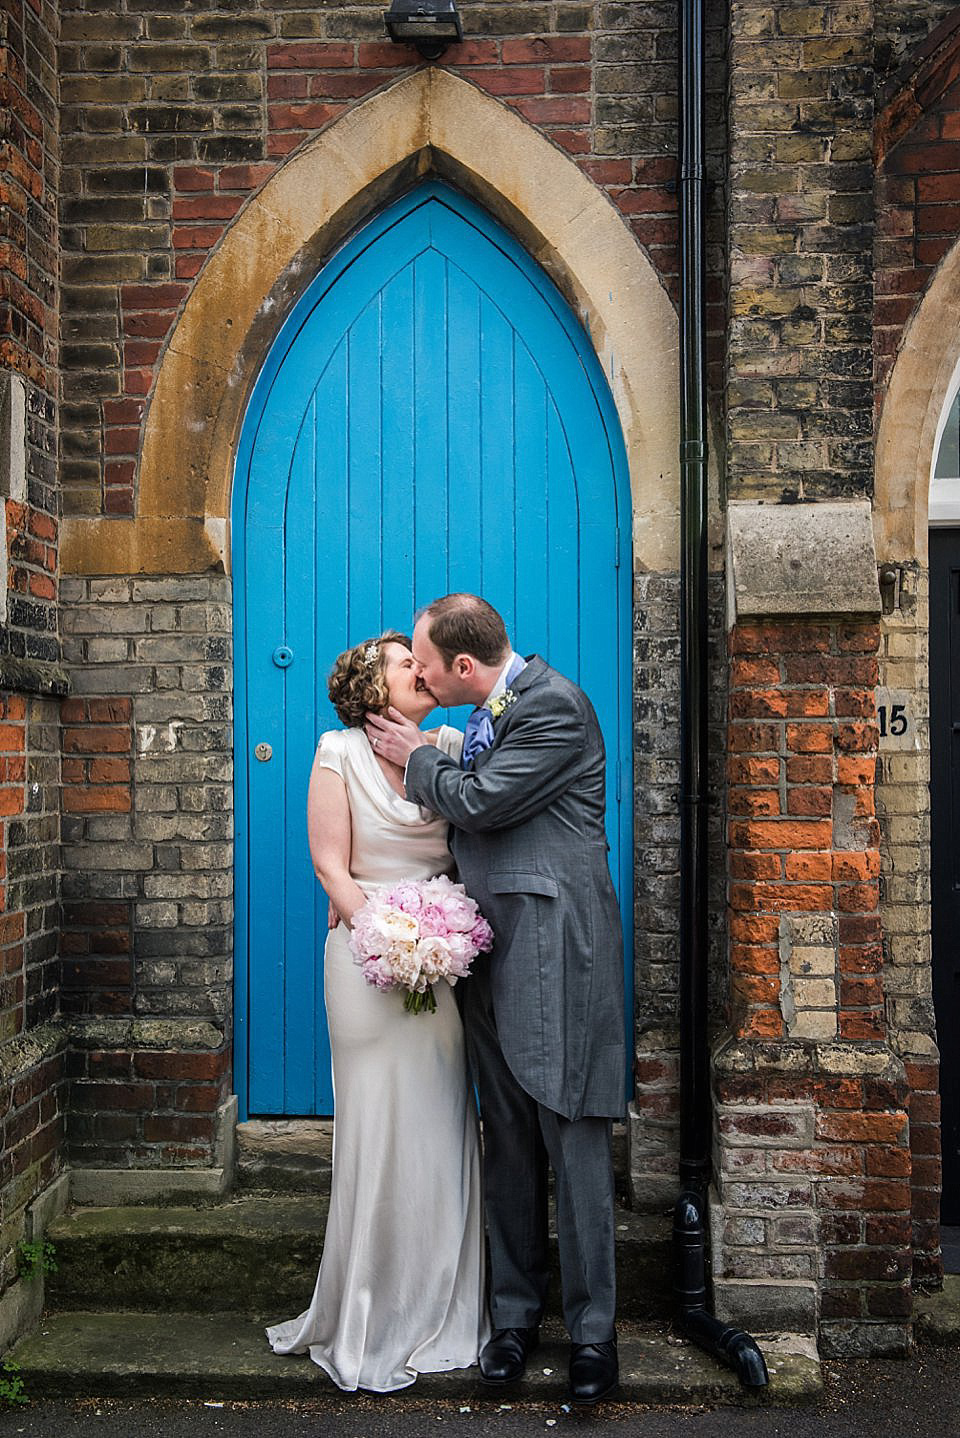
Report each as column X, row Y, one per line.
column 466, row 624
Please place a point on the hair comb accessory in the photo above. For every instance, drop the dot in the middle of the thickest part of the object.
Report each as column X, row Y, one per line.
column 371, row 654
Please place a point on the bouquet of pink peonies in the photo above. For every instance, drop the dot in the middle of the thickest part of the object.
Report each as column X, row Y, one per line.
column 414, row 934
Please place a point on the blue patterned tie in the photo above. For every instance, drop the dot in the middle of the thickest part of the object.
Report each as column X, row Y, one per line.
column 477, row 736
column 478, row 732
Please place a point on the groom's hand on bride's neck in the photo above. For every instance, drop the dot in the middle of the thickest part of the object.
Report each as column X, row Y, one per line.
column 393, row 737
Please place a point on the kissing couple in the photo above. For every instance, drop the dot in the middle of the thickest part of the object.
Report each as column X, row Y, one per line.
column 514, row 809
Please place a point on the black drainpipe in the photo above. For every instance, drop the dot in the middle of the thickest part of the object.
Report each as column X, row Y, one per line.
column 731, row 1345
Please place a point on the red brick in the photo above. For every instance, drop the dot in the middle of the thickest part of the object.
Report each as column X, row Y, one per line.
column 861, row 993
column 166, row 1065
column 813, row 769
column 145, row 297
column 756, row 866
column 569, row 80
column 809, row 738
column 192, row 177
column 807, row 868
column 781, row 834
column 810, row 800
column 553, row 110
column 749, row 958
column 865, row 1027
column 851, row 865
column 754, row 801
column 104, row 798
column 196, row 237
column 245, row 177
column 101, row 740
column 783, row 898
column 158, row 1128
column 754, row 738
column 515, row 81
column 110, row 711
column 758, row 704
column 754, row 928
column 206, row 207
column 309, row 116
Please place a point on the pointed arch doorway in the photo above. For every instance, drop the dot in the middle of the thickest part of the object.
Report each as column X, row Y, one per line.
column 431, row 417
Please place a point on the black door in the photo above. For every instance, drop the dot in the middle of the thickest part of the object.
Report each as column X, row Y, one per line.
column 945, row 841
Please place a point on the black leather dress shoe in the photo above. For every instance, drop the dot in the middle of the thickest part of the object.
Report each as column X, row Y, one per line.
column 504, row 1356
column 594, row 1371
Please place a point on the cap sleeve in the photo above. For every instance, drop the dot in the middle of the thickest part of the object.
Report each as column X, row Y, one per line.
column 450, row 741
column 330, row 751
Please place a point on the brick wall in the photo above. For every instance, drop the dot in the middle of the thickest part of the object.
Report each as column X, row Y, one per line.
column 800, row 234
column 171, row 120
column 148, row 883
column 805, row 954
column 31, row 1041
column 814, row 1157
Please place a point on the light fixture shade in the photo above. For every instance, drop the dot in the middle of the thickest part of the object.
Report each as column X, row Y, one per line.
column 430, row 25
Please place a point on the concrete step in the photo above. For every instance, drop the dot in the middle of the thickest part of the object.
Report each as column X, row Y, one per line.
column 226, row 1356
column 261, row 1253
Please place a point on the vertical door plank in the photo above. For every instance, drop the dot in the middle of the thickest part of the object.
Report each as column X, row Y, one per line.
column 430, row 426
column 364, row 456
column 530, row 491
column 496, row 458
column 398, row 407
column 303, row 1045
column 463, row 432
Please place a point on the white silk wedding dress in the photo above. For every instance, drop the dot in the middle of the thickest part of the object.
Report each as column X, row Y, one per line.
column 401, row 1284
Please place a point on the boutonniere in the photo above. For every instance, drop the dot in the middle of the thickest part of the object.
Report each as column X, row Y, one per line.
column 502, row 703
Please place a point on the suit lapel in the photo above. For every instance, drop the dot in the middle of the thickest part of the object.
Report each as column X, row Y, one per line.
column 535, row 669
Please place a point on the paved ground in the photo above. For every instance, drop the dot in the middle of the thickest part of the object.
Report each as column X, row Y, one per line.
column 917, row 1398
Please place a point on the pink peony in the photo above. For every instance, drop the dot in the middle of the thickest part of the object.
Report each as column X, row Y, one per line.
column 417, row 933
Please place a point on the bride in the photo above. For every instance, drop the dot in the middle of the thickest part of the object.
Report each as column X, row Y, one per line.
column 401, row 1284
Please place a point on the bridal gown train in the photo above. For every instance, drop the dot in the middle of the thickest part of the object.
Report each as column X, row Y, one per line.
column 401, row 1284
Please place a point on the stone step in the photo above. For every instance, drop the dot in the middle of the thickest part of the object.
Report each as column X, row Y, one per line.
column 261, row 1253
column 284, row 1155
column 225, row 1356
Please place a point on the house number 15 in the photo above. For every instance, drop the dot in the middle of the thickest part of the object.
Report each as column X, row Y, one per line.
column 893, row 720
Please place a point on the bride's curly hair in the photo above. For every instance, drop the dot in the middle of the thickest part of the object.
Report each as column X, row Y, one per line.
column 358, row 681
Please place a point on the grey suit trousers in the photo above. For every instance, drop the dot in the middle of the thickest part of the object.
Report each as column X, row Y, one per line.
column 521, row 1138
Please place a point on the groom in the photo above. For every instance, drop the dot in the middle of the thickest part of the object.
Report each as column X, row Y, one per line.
column 544, row 1015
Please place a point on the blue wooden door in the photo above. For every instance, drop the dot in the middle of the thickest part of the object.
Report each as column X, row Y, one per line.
column 430, row 418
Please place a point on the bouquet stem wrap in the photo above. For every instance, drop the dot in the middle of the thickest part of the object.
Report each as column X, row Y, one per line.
column 416, row 933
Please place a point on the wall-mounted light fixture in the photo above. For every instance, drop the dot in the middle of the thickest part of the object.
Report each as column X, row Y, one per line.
column 429, row 25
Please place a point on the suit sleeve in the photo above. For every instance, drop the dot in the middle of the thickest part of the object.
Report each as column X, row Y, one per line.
column 534, row 764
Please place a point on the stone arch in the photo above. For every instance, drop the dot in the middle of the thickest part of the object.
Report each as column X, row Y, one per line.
column 429, row 120
column 916, row 393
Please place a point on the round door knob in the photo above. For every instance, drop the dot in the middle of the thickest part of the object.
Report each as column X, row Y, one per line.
column 283, row 656
column 264, row 752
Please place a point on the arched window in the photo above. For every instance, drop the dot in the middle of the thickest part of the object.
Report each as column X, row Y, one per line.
column 945, row 474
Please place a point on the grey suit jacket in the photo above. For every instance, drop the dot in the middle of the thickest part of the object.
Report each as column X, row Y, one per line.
column 528, row 838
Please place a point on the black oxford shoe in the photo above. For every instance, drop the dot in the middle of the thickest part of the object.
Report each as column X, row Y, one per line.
column 504, row 1356
column 594, row 1371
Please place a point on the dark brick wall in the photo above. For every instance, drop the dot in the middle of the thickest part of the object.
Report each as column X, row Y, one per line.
column 29, row 180
column 31, row 1043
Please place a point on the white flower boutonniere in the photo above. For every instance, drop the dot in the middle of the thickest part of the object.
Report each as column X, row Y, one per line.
column 502, row 703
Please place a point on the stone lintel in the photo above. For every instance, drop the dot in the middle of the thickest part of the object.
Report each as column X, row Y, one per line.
column 25, row 1051
column 792, row 560
column 118, row 1034
column 798, row 1058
